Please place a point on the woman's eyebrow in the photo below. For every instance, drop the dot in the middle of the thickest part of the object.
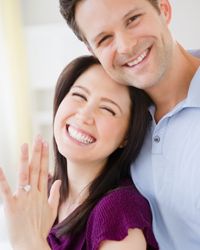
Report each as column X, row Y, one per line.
column 81, row 87
column 105, row 99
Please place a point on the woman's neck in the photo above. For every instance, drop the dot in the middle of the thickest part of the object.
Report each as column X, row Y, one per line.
column 80, row 176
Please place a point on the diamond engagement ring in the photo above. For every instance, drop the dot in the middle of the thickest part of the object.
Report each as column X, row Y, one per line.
column 26, row 187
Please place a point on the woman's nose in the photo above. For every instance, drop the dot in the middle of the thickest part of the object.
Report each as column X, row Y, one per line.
column 86, row 115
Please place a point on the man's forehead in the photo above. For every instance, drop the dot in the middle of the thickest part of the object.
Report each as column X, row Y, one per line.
column 95, row 17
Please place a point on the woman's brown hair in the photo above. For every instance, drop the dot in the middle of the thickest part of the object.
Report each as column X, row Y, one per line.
column 118, row 164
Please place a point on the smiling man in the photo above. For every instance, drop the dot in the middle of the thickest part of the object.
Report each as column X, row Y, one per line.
column 132, row 40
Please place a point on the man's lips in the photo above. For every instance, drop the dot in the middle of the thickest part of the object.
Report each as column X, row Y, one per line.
column 137, row 60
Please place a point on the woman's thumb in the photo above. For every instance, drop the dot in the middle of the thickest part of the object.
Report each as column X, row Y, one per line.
column 54, row 196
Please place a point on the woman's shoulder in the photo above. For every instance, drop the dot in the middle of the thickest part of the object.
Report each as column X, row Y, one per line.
column 124, row 197
column 119, row 210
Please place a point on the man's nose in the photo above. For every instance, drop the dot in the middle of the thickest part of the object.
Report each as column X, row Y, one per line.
column 125, row 43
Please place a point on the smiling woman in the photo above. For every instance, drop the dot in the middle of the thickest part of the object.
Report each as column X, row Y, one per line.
column 99, row 127
column 92, row 101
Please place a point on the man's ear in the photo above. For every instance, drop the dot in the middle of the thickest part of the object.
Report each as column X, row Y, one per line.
column 166, row 10
column 89, row 48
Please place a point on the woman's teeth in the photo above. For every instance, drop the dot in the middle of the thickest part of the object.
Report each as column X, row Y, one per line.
column 138, row 59
column 77, row 135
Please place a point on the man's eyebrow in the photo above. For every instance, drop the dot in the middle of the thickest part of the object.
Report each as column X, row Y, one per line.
column 130, row 12
column 112, row 102
column 103, row 33
column 98, row 36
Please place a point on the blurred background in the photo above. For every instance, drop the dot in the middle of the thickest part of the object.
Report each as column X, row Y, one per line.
column 35, row 45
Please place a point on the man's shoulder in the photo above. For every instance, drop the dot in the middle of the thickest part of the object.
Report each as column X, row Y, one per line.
column 195, row 52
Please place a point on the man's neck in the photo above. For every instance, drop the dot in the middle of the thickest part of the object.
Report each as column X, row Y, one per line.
column 173, row 88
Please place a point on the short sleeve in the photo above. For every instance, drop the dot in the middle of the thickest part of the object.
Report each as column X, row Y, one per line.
column 122, row 209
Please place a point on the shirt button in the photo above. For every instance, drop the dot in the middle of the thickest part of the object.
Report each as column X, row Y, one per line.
column 156, row 139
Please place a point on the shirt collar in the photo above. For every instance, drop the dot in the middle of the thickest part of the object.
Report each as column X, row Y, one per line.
column 192, row 99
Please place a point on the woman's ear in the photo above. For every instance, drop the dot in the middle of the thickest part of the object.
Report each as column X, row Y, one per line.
column 123, row 144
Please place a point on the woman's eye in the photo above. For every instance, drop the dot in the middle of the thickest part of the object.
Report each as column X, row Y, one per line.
column 109, row 110
column 80, row 96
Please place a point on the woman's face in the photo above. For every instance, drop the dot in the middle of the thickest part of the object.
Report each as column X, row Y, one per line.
column 92, row 120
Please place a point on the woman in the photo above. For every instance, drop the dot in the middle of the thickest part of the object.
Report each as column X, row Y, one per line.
column 99, row 127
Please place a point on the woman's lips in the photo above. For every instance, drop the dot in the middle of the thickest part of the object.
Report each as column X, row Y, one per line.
column 80, row 135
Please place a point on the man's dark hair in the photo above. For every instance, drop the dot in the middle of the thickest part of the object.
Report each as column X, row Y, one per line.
column 118, row 164
column 68, row 8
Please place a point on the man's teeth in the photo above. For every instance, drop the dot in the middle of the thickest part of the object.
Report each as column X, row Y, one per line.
column 79, row 136
column 138, row 60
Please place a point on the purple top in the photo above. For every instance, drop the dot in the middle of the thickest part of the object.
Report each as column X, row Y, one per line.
column 119, row 210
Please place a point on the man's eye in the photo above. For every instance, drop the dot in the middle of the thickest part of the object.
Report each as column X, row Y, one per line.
column 133, row 18
column 109, row 110
column 103, row 40
column 80, row 96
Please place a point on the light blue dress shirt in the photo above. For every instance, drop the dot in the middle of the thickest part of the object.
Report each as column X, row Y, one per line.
column 167, row 173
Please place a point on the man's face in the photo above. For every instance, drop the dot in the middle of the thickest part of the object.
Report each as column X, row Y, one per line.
column 130, row 38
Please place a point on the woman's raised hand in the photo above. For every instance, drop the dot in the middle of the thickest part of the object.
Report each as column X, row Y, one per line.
column 30, row 213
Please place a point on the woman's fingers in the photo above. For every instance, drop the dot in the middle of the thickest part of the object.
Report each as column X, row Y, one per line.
column 5, row 190
column 54, row 196
column 35, row 171
column 43, row 176
column 24, row 168
column 35, row 163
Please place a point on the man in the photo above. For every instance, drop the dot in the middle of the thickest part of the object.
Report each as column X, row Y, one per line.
column 133, row 43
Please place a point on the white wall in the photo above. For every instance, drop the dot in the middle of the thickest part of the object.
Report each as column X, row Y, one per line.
column 185, row 22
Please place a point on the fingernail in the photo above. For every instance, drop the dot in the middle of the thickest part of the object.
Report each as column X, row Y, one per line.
column 38, row 139
column 45, row 143
column 45, row 146
column 24, row 148
column 59, row 183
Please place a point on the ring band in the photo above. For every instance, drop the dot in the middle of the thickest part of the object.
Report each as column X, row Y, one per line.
column 26, row 187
